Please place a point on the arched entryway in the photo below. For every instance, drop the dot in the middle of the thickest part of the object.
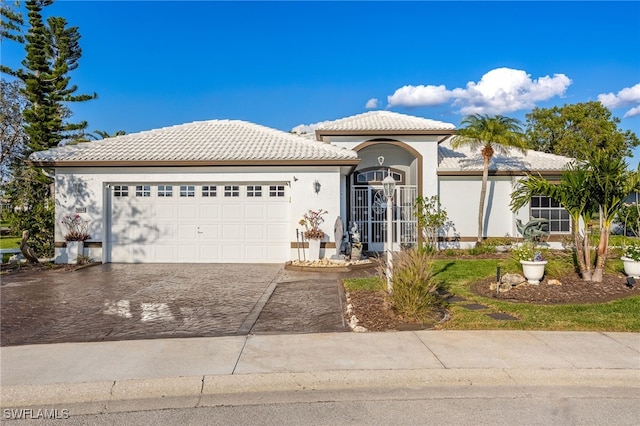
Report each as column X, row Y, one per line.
column 367, row 203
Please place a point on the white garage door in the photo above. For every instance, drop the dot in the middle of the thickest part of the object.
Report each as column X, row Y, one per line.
column 205, row 222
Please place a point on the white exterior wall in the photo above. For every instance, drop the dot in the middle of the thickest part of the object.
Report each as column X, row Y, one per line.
column 460, row 197
column 85, row 188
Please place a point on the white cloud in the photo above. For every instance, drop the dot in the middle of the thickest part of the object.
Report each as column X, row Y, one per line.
column 632, row 112
column 500, row 90
column 420, row 96
column 625, row 97
column 372, row 103
column 301, row 129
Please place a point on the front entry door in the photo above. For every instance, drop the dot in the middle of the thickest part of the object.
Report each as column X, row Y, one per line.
column 369, row 210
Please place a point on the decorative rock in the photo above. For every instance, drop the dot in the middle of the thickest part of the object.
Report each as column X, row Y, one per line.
column 502, row 287
column 512, row 279
column 554, row 282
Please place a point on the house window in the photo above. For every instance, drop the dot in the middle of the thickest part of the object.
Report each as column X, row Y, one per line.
column 276, row 191
column 377, row 175
column 143, row 191
column 548, row 208
column 231, row 191
column 120, row 191
column 209, row 190
column 165, row 191
column 187, row 191
column 254, row 191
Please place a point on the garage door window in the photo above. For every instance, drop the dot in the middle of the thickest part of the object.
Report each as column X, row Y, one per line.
column 209, row 191
column 187, row 191
column 120, row 191
column 165, row 191
column 276, row 191
column 231, row 191
column 143, row 191
column 254, row 191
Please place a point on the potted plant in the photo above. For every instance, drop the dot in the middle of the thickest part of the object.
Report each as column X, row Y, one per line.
column 311, row 222
column 532, row 262
column 631, row 260
column 78, row 233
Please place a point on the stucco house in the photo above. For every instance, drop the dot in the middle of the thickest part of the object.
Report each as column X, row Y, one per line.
column 234, row 191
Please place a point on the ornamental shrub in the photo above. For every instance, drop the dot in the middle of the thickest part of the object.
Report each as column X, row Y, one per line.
column 414, row 294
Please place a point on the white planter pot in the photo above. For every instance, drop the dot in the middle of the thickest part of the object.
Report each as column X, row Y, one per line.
column 533, row 271
column 74, row 249
column 314, row 249
column 631, row 267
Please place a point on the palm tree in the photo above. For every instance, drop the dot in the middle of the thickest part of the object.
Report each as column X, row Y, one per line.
column 611, row 182
column 573, row 193
column 491, row 134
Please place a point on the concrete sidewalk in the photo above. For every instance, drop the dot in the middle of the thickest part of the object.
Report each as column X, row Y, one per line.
column 173, row 373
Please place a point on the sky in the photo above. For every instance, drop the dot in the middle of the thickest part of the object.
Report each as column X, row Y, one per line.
column 293, row 64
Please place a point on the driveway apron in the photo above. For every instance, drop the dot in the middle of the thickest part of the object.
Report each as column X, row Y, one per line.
column 147, row 301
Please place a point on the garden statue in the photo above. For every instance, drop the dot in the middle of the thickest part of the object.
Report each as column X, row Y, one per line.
column 534, row 230
column 338, row 232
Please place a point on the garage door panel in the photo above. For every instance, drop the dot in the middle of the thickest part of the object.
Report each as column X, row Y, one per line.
column 231, row 232
column 187, row 212
column 255, row 212
column 165, row 252
column 232, row 253
column 209, row 212
column 210, row 232
column 232, row 212
column 166, row 211
column 277, row 233
column 209, row 252
column 278, row 211
column 255, row 232
column 187, row 232
column 199, row 228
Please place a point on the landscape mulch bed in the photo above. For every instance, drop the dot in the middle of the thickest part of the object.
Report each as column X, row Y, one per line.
column 374, row 313
column 572, row 290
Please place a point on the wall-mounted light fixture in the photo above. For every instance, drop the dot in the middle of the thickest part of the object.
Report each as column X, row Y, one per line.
column 316, row 186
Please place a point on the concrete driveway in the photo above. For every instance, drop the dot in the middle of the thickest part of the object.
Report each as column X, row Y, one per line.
column 147, row 301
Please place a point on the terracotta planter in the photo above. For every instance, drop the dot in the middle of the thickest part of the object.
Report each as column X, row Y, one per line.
column 631, row 267
column 533, row 271
column 314, row 249
column 74, row 249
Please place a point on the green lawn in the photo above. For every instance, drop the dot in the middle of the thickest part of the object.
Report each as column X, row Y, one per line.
column 457, row 275
column 9, row 242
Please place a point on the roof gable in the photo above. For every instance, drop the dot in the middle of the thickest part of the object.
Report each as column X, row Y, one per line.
column 385, row 122
column 203, row 142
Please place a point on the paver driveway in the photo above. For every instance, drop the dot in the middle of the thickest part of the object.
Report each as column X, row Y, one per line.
column 143, row 301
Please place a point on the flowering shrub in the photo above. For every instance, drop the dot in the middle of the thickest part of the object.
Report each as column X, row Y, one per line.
column 527, row 252
column 78, row 228
column 632, row 251
column 311, row 222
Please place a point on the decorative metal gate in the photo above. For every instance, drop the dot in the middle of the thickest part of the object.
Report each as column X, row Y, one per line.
column 369, row 210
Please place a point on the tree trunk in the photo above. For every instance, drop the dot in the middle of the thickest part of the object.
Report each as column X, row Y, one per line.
column 585, row 270
column 603, row 248
column 483, row 193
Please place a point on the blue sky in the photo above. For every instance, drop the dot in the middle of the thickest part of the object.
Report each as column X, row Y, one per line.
column 285, row 64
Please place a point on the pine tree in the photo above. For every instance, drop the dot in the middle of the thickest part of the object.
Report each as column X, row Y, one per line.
column 52, row 52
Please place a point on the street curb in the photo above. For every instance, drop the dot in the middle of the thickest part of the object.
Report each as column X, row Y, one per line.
column 181, row 392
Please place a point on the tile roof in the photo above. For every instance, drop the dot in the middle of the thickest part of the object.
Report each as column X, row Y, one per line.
column 463, row 159
column 202, row 141
column 384, row 121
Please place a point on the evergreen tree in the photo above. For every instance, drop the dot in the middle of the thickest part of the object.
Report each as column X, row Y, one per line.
column 52, row 52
